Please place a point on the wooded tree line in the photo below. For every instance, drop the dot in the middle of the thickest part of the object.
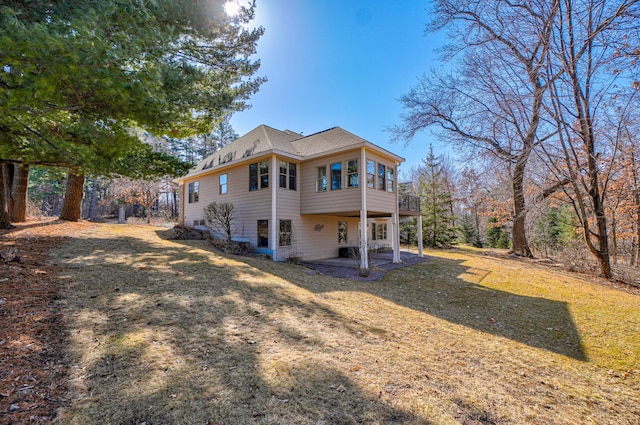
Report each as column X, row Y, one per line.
column 123, row 196
column 82, row 80
column 545, row 92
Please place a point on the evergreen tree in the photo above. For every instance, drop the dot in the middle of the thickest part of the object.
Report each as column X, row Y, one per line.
column 469, row 232
column 438, row 219
column 497, row 237
column 77, row 76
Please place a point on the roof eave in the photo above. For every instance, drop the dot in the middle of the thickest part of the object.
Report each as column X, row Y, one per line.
column 236, row 163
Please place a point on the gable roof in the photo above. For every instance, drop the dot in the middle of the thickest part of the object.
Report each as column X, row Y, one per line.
column 264, row 139
column 259, row 140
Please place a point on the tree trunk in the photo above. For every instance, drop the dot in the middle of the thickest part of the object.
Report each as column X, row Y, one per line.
column 72, row 205
column 519, row 243
column 122, row 217
column 5, row 223
column 93, row 200
column 18, row 193
column 614, row 237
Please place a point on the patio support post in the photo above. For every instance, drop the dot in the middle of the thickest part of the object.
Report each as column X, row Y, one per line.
column 395, row 237
column 364, row 245
column 395, row 220
column 273, row 181
column 420, row 254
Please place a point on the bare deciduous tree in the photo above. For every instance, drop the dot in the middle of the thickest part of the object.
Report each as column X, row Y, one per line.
column 585, row 51
column 492, row 102
column 220, row 217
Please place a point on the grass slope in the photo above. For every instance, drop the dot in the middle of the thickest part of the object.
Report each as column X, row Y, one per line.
column 168, row 331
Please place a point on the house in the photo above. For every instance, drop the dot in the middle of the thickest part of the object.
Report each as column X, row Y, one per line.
column 308, row 197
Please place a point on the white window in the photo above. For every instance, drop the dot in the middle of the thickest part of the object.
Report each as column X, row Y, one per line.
column 378, row 231
column 381, row 177
column 194, row 192
column 352, row 173
column 336, row 176
column 223, row 184
column 321, row 179
column 371, row 174
column 390, row 179
column 285, row 233
column 259, row 175
column 342, row 232
column 288, row 171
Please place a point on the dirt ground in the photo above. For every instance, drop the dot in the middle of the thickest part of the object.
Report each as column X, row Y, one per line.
column 32, row 368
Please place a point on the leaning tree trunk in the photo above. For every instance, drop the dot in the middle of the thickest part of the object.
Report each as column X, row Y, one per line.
column 5, row 223
column 519, row 243
column 72, row 205
column 18, row 193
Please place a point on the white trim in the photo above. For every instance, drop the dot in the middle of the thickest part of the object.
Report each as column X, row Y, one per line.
column 274, row 206
column 364, row 245
column 396, row 218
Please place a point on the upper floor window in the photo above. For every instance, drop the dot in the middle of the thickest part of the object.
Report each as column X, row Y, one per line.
column 371, row 174
column 321, row 178
column 352, row 173
column 194, row 192
column 336, row 176
column 288, row 172
column 390, row 179
column 259, row 175
column 381, row 177
column 293, row 175
column 223, row 184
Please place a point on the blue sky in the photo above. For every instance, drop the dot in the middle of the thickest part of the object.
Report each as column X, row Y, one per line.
column 340, row 63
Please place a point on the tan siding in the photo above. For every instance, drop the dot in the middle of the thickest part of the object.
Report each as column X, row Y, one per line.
column 317, row 236
column 331, row 201
column 249, row 206
column 288, row 208
column 381, row 200
column 194, row 211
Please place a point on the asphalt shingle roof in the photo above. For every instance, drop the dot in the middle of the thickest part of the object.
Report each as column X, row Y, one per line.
column 264, row 139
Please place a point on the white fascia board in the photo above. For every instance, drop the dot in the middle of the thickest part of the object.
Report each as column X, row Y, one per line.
column 355, row 146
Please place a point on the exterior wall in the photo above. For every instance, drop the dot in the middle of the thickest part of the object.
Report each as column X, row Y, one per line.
column 250, row 206
column 316, row 236
column 379, row 200
column 288, row 208
column 379, row 243
column 314, row 215
column 331, row 201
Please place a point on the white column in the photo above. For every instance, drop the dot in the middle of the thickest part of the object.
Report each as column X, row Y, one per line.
column 395, row 218
column 364, row 246
column 420, row 254
column 395, row 239
column 362, row 182
column 273, row 183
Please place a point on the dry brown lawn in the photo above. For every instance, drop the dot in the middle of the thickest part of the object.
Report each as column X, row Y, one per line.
column 173, row 332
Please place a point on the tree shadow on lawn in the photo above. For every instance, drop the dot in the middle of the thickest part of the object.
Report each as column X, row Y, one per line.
column 442, row 288
column 163, row 335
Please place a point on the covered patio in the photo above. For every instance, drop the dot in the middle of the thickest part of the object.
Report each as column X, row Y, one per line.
column 379, row 264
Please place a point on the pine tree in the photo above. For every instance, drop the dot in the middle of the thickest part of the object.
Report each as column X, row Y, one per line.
column 438, row 219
